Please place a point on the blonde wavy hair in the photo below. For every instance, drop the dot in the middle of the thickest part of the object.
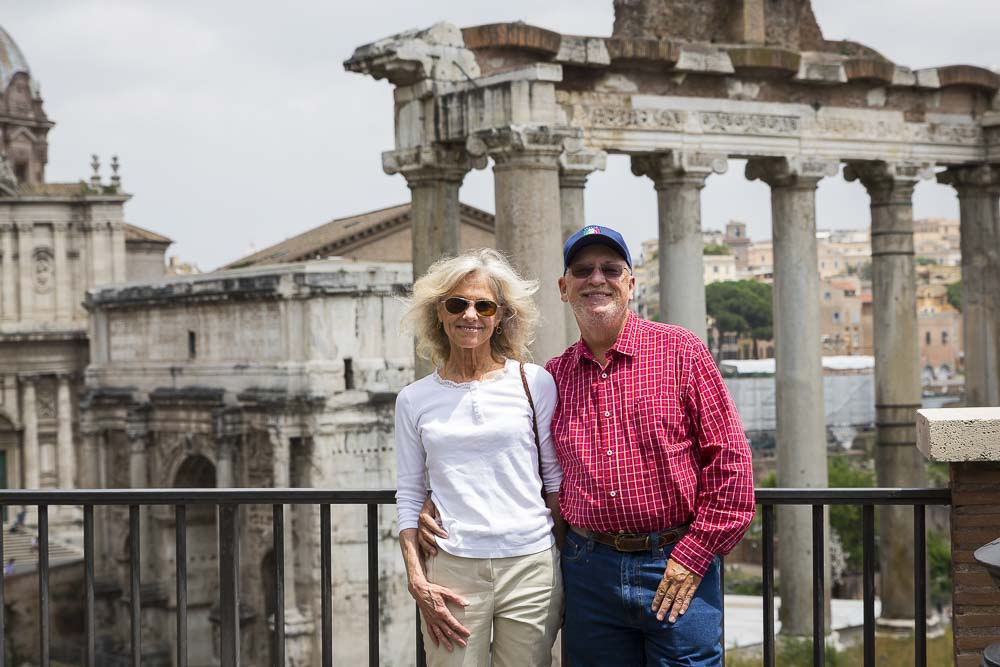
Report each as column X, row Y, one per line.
column 513, row 293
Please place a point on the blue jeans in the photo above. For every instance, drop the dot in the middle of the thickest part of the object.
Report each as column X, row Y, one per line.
column 608, row 615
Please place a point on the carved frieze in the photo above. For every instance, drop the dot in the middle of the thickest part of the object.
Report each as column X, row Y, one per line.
column 624, row 117
column 749, row 123
column 845, row 127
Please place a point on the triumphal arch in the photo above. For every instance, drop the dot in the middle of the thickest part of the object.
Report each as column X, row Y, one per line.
column 681, row 86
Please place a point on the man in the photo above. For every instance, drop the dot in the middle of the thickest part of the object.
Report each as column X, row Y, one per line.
column 657, row 475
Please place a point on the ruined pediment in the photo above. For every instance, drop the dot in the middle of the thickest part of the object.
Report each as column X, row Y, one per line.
column 788, row 24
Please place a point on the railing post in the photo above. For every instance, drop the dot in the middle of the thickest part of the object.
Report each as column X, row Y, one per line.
column 229, row 598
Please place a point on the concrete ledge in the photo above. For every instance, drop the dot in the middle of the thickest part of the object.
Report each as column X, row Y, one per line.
column 959, row 434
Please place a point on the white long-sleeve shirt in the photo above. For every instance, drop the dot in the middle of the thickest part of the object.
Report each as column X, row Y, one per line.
column 474, row 442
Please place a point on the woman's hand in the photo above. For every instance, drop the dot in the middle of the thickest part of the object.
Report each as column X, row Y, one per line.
column 442, row 626
column 429, row 527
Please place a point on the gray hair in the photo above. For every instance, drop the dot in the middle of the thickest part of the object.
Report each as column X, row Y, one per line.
column 513, row 293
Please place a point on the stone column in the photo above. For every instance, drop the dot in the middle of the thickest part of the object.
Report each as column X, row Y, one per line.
column 29, row 419
column 137, row 431
column 63, row 286
column 897, row 370
column 977, row 188
column 528, row 216
column 26, row 268
column 434, row 175
column 801, row 424
column 298, row 627
column 574, row 169
column 66, row 463
column 8, row 279
column 224, row 477
column 116, row 231
column 679, row 178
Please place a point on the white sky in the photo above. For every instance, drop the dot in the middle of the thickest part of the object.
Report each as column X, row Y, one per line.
column 236, row 124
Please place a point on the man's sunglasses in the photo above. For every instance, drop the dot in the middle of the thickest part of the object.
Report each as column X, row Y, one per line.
column 610, row 271
column 457, row 305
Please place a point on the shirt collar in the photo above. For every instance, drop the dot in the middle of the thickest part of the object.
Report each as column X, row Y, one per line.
column 627, row 342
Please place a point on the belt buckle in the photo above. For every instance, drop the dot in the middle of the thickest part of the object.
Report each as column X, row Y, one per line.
column 618, row 540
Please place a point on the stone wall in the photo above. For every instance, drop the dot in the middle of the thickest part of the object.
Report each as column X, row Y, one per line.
column 789, row 24
column 272, row 377
column 968, row 439
column 975, row 521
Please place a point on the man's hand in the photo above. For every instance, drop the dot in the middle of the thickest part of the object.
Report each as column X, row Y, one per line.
column 428, row 527
column 675, row 591
column 442, row 626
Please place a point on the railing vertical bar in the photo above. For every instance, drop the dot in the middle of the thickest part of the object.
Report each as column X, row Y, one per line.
column 3, row 619
column 229, row 597
column 920, row 586
column 135, row 588
column 868, row 581
column 819, row 603
column 767, row 563
column 180, row 557
column 43, row 584
column 90, row 623
column 278, row 530
column 325, row 585
column 421, row 654
column 373, row 580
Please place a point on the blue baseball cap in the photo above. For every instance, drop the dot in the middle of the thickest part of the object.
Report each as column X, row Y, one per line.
column 590, row 235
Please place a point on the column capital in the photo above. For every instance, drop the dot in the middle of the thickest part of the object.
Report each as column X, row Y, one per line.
column 431, row 163
column 679, row 167
column 969, row 179
column 24, row 226
column 62, row 227
column 884, row 179
column 790, row 172
column 576, row 166
column 6, row 227
column 526, row 146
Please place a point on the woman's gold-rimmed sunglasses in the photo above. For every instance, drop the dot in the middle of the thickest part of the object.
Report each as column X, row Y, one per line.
column 457, row 305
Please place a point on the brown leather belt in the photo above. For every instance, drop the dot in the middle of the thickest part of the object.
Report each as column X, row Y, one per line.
column 633, row 542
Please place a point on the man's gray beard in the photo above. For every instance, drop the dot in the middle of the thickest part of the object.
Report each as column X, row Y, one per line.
column 611, row 320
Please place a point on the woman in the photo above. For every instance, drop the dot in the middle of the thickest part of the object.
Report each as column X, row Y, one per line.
column 467, row 431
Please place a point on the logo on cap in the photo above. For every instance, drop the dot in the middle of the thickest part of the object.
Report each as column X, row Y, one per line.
column 592, row 230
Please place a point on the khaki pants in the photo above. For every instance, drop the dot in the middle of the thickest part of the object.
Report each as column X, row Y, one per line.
column 515, row 602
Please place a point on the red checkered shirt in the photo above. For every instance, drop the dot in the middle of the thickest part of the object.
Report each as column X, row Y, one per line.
column 652, row 441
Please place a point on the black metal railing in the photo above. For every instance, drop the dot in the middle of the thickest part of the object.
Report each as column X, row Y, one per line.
column 867, row 499
column 228, row 502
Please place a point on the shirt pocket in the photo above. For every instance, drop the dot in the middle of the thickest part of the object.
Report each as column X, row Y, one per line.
column 659, row 424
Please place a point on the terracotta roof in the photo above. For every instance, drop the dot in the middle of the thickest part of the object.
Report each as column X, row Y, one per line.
column 133, row 233
column 343, row 234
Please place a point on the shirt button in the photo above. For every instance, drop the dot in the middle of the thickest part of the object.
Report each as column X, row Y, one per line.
column 604, row 376
column 610, row 452
column 614, row 493
column 607, row 414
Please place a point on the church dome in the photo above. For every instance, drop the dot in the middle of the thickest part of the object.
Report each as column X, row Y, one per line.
column 11, row 60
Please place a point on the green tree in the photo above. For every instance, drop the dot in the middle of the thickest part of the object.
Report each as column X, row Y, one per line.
column 741, row 306
column 866, row 271
column 955, row 295
column 716, row 249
